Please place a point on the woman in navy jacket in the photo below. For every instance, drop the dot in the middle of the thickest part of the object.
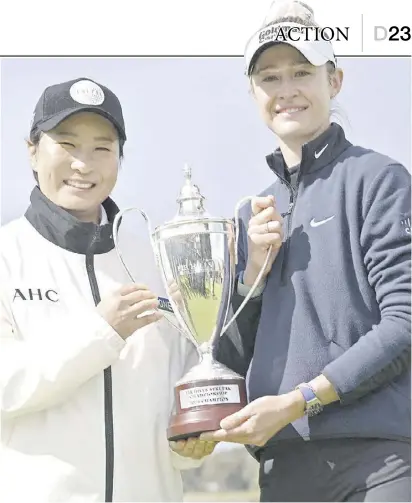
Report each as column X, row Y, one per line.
column 328, row 350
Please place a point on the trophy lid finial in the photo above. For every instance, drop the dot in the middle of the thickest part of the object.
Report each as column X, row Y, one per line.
column 190, row 199
column 187, row 171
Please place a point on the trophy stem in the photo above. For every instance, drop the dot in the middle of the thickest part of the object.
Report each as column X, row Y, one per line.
column 205, row 351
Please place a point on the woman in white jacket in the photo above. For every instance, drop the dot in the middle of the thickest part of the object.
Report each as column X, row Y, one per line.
column 86, row 386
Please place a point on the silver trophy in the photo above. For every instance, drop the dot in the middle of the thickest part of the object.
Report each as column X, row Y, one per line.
column 196, row 255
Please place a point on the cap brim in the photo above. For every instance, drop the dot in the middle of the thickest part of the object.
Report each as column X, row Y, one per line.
column 314, row 57
column 54, row 121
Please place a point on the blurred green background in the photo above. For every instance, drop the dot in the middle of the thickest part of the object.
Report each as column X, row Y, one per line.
column 229, row 474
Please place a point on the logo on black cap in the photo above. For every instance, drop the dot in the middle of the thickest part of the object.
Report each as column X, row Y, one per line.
column 87, row 92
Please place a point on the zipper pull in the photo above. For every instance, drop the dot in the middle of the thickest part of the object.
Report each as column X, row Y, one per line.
column 96, row 237
column 291, row 204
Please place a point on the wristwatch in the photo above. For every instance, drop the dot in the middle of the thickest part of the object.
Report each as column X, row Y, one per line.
column 313, row 404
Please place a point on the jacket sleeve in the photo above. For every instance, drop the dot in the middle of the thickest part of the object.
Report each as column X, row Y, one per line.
column 383, row 353
column 44, row 369
column 235, row 347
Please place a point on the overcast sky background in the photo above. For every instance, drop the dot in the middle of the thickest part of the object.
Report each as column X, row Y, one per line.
column 196, row 110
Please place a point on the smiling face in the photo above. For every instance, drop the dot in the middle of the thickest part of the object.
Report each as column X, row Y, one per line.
column 77, row 164
column 292, row 95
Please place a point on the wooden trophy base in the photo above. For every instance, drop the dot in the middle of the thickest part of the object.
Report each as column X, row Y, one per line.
column 201, row 405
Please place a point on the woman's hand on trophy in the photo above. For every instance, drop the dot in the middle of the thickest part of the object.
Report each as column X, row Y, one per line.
column 265, row 229
column 193, row 447
column 258, row 421
column 123, row 309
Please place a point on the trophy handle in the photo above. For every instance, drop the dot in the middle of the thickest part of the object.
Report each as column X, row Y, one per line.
column 259, row 276
column 116, row 222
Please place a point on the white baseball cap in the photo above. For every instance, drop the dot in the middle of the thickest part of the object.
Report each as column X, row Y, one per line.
column 303, row 37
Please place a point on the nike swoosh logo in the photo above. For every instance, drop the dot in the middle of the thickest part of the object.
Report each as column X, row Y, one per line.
column 313, row 223
column 318, row 154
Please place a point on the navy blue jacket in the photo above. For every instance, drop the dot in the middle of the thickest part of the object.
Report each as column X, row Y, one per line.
column 338, row 298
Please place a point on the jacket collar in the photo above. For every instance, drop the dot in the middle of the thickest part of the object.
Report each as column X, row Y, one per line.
column 64, row 230
column 316, row 154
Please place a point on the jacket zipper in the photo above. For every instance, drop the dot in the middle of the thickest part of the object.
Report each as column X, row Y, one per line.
column 108, row 402
column 293, row 194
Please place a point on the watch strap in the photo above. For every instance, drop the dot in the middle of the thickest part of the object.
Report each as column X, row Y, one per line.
column 313, row 405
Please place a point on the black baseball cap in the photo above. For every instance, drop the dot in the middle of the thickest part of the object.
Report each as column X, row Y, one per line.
column 80, row 95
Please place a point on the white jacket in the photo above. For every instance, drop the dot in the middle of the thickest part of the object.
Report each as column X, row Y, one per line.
column 61, row 437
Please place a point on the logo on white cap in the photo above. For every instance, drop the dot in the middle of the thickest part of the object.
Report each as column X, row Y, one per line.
column 87, row 92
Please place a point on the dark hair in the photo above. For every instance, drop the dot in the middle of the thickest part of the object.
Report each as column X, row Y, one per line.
column 35, row 137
